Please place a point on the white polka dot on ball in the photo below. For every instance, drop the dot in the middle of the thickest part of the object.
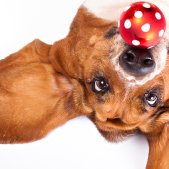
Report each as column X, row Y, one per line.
column 145, row 27
column 161, row 33
column 127, row 24
column 136, row 42
column 138, row 14
column 146, row 5
column 127, row 8
column 158, row 15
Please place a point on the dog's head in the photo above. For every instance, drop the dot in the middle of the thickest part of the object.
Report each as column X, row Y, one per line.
column 121, row 98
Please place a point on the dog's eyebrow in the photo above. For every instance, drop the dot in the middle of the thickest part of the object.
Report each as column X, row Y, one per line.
column 111, row 32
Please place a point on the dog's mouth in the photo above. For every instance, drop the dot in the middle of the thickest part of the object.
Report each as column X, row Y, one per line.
column 115, row 129
column 116, row 123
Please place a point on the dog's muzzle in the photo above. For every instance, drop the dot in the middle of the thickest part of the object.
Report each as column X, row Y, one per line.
column 137, row 62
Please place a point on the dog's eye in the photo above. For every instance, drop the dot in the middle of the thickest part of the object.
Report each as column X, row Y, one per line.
column 151, row 99
column 100, row 85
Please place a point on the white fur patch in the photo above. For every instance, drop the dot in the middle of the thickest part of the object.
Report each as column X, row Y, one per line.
column 160, row 56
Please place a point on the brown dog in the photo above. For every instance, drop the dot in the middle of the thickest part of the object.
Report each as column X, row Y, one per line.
column 90, row 54
column 122, row 100
column 86, row 77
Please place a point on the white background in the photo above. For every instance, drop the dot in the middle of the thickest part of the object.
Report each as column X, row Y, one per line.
column 77, row 144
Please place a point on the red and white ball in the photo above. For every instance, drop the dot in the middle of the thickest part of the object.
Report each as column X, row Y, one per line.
column 142, row 25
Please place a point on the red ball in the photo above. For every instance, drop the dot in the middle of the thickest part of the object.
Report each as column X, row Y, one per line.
column 142, row 24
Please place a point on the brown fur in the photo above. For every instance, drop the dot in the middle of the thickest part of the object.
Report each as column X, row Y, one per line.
column 43, row 86
column 33, row 98
column 85, row 53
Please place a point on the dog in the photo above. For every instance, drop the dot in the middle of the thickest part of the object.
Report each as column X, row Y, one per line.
column 43, row 86
column 122, row 101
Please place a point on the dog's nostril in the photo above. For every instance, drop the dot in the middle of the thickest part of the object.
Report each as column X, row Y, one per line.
column 148, row 61
column 129, row 57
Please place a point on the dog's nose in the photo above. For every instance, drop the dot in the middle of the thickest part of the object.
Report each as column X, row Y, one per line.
column 138, row 62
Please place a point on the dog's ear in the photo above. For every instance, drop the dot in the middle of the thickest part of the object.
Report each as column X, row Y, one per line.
column 62, row 57
column 65, row 62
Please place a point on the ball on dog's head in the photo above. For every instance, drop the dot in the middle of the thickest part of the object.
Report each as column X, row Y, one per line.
column 142, row 25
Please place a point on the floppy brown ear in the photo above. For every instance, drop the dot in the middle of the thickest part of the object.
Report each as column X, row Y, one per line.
column 158, row 140
column 64, row 57
column 60, row 57
column 64, row 61
column 156, row 130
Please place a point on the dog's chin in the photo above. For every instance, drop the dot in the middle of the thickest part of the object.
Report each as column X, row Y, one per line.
column 116, row 135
